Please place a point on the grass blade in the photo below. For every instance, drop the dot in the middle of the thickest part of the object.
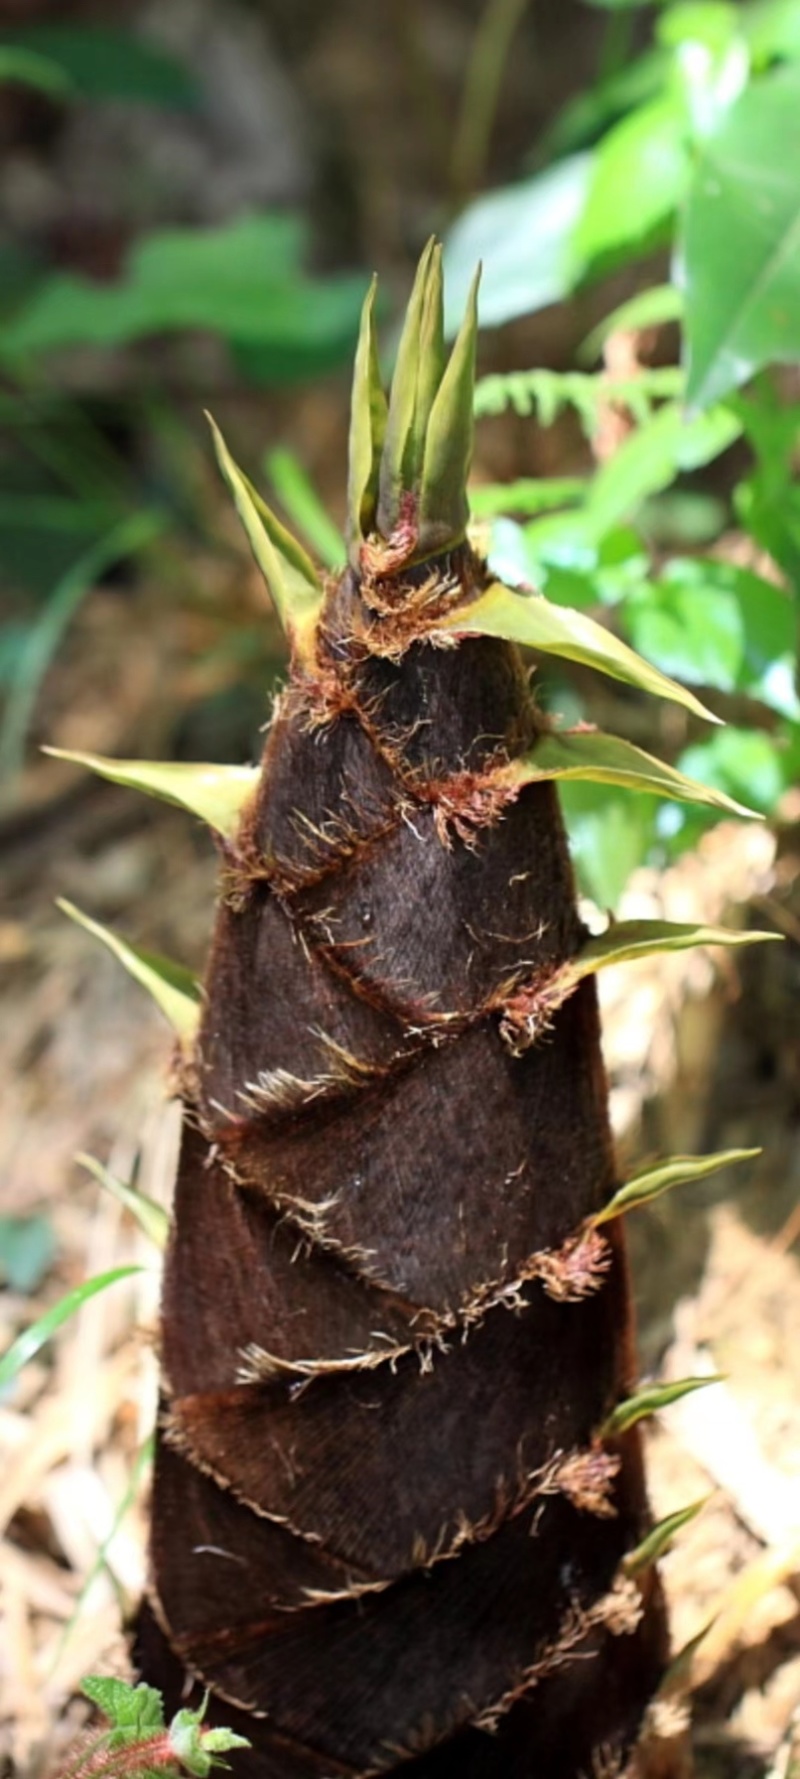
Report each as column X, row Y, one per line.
column 29, row 1342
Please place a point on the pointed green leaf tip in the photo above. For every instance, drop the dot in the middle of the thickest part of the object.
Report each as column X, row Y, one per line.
column 368, row 414
column 172, row 987
column 530, row 619
column 650, row 1400
column 676, row 1170
column 658, row 1541
column 217, row 794
column 409, row 461
column 151, row 1217
column 290, row 574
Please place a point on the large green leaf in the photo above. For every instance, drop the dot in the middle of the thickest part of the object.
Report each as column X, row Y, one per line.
column 242, row 280
column 522, row 235
column 743, row 762
column 741, row 241
column 528, row 619
column 607, row 759
column 528, row 495
column 133, row 1712
column 638, row 178
column 217, row 794
column 714, row 624
column 610, row 834
column 767, row 501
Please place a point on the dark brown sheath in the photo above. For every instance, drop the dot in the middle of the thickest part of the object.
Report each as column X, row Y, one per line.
column 386, row 1530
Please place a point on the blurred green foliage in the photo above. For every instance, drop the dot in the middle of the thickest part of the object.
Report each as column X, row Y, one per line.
column 689, row 145
column 77, row 499
column 243, row 281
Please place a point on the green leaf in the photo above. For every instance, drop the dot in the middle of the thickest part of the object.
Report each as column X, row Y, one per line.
column 522, row 236
column 719, row 625
column 626, row 940
column 241, row 280
column 642, row 1188
column 298, row 495
column 610, row 834
column 588, row 392
column 743, row 760
column 648, row 461
column 173, row 988
column 27, row 1249
column 772, row 30
column 554, row 555
column 198, row 1750
column 660, row 1538
column 217, row 794
column 28, row 68
column 767, row 502
column 711, row 23
column 649, row 1400
column 29, row 1342
column 290, row 574
column 587, row 116
column 528, row 495
column 741, row 242
column 443, row 507
column 42, row 640
column 606, row 759
column 639, row 175
column 151, row 1217
column 368, row 416
column 714, row 624
column 135, row 1711
column 527, row 618
column 414, row 384
column 100, row 62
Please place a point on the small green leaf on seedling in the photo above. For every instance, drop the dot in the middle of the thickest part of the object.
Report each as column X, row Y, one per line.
column 660, row 1538
column 132, row 1711
column 650, row 1400
column 135, row 1725
column 198, row 1750
column 675, row 1171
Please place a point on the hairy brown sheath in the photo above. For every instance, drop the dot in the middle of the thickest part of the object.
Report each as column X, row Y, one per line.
column 387, row 1529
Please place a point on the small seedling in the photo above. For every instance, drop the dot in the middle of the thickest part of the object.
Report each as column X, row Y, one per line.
column 135, row 1740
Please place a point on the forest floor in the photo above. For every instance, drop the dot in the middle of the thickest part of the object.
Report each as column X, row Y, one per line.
column 701, row 1056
